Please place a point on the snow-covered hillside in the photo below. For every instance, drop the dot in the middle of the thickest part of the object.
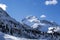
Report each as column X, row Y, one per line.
column 29, row 28
column 10, row 37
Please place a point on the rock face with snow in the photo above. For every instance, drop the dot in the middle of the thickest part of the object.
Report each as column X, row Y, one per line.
column 31, row 27
column 10, row 26
column 42, row 26
column 35, row 23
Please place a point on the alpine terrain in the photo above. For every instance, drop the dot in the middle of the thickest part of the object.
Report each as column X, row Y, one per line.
column 29, row 28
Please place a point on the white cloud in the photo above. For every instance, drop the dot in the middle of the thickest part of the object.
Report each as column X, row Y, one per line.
column 3, row 6
column 53, row 2
column 43, row 16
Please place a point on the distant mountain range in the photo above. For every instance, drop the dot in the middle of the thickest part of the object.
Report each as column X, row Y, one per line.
column 30, row 27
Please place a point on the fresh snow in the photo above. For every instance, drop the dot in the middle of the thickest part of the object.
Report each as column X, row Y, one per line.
column 41, row 25
column 9, row 37
column 54, row 29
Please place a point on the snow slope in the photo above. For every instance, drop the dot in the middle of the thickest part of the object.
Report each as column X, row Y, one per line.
column 9, row 37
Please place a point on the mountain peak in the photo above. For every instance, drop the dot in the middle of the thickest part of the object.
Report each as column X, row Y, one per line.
column 3, row 13
column 31, row 19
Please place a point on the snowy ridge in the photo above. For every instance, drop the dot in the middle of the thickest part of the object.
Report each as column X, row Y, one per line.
column 35, row 23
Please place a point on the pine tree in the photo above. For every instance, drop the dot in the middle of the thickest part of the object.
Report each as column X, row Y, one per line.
column 3, row 29
column 7, row 29
column 11, row 31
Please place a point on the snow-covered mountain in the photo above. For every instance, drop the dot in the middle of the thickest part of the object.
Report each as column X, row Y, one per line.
column 35, row 23
column 10, row 26
column 30, row 27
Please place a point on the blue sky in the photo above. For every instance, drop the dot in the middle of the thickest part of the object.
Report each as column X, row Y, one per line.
column 19, row 9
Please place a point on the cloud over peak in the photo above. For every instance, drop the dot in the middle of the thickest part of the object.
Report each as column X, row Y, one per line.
column 43, row 16
column 3, row 6
column 53, row 2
